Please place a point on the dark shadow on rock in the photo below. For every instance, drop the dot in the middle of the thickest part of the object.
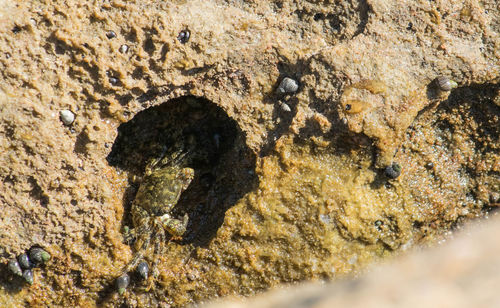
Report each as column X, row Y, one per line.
column 363, row 9
column 215, row 148
column 470, row 112
column 9, row 282
column 285, row 104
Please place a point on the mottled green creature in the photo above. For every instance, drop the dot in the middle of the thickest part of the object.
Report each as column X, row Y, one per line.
column 161, row 187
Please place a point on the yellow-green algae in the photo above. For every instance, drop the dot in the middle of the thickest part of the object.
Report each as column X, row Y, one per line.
column 286, row 230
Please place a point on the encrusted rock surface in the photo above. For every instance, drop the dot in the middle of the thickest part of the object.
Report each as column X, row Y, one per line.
column 293, row 195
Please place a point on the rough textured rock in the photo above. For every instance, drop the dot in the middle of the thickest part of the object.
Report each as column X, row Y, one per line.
column 291, row 196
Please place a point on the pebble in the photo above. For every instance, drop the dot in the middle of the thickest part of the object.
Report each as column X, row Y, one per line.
column 287, row 85
column 67, row 117
column 123, row 48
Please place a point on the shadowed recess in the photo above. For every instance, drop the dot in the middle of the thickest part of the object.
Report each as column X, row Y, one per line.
column 213, row 145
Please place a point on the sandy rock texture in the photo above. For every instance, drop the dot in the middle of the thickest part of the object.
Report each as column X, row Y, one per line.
column 288, row 186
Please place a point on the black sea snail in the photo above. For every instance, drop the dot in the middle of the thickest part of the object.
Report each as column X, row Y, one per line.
column 14, row 267
column 28, row 276
column 24, row 261
column 393, row 171
column 122, row 283
column 37, row 255
column 445, row 84
column 143, row 270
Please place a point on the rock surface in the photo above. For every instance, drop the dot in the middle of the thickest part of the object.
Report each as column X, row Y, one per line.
column 280, row 196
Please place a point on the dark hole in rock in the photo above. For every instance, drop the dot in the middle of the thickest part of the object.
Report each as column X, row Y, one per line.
column 214, row 147
column 318, row 16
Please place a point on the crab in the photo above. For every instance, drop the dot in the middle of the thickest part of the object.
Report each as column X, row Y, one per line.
column 163, row 182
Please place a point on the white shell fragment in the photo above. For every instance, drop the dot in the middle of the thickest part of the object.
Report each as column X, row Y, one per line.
column 288, row 85
column 285, row 107
column 67, row 117
column 123, row 48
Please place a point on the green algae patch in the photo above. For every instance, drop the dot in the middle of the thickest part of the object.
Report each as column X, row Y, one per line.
column 296, row 215
column 312, row 217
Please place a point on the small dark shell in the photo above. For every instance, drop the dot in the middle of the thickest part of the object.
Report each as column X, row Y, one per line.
column 184, row 36
column 113, row 80
column 143, row 270
column 445, row 84
column 285, row 107
column 14, row 267
column 393, row 171
column 28, row 276
column 122, row 283
column 24, row 261
column 38, row 255
column 111, row 34
column 494, row 197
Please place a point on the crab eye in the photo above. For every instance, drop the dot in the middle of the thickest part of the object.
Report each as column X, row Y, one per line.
column 157, row 212
column 186, row 175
